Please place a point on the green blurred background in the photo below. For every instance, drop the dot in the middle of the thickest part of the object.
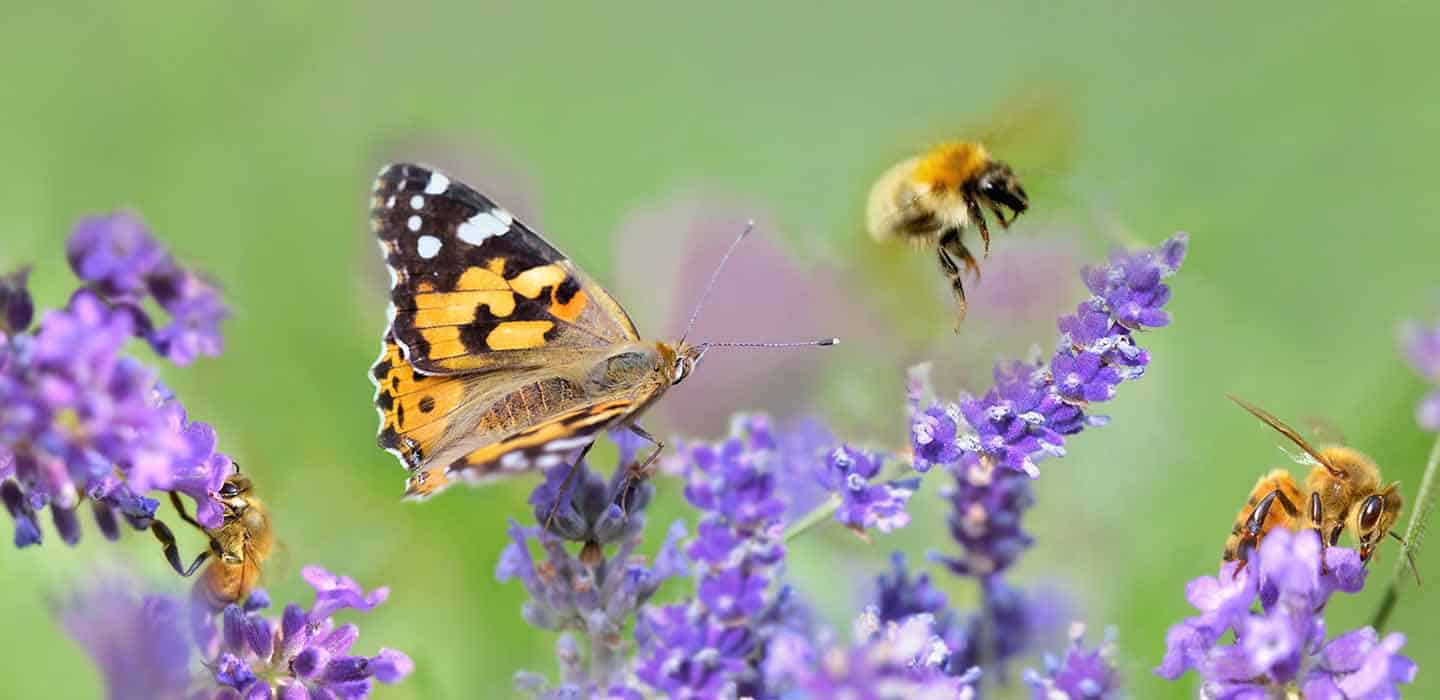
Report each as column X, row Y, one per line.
column 1294, row 141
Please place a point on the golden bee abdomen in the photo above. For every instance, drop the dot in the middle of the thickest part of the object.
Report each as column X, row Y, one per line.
column 1278, row 479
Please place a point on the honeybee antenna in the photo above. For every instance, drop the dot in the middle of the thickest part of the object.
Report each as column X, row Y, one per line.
column 749, row 226
column 1410, row 557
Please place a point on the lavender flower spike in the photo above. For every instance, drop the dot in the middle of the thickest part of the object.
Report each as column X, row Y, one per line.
column 1282, row 648
column 141, row 646
column 1080, row 673
column 1422, row 348
column 864, row 505
column 1035, row 404
column 888, row 661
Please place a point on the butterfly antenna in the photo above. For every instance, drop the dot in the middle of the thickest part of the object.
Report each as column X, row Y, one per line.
column 799, row 344
column 749, row 226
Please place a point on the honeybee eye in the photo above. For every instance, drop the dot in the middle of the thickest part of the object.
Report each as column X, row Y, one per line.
column 229, row 490
column 1370, row 512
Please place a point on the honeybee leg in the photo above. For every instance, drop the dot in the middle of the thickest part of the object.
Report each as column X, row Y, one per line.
column 1254, row 525
column 1316, row 514
column 978, row 216
column 172, row 551
column 639, row 473
column 952, row 272
column 180, row 508
column 565, row 485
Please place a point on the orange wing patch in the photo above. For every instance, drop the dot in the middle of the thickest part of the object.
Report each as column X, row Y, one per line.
column 413, row 407
column 518, row 335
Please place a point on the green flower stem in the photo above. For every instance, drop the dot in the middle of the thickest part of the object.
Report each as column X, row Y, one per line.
column 1414, row 532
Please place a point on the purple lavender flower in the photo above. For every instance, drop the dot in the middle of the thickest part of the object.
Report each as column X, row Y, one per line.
column 1282, row 647
column 142, row 648
column 1035, row 404
column 195, row 312
column 900, row 596
column 589, row 595
column 116, row 253
column 986, row 506
column 137, row 641
column 83, row 421
column 16, row 306
column 1081, row 674
column 888, row 661
column 735, row 559
column 1422, row 348
column 864, row 505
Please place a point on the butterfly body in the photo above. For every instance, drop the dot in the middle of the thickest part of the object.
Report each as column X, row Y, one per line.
column 501, row 355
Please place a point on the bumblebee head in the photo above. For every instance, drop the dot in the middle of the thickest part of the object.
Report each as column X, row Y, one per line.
column 998, row 185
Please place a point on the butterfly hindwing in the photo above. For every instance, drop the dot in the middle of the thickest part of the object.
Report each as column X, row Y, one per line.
column 475, row 289
column 557, row 440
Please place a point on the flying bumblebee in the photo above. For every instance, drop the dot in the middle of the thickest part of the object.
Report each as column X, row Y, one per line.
column 1342, row 492
column 237, row 548
column 930, row 200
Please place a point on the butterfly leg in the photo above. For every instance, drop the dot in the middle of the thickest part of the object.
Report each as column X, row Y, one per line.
column 565, row 485
column 1254, row 525
column 639, row 473
column 952, row 272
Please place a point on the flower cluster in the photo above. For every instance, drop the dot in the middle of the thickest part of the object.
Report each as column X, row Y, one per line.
column 1422, row 347
column 865, row 505
column 1035, row 404
column 160, row 647
column 84, row 421
column 1282, row 648
column 1080, row 673
column 590, row 595
column 706, row 647
column 887, row 661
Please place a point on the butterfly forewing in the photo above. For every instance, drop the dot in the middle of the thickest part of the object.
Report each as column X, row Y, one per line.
column 486, row 365
column 474, row 288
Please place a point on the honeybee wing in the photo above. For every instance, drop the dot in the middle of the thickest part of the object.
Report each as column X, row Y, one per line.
column 1288, row 432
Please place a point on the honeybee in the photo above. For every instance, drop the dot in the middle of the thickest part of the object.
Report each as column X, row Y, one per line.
column 237, row 548
column 1342, row 491
column 931, row 198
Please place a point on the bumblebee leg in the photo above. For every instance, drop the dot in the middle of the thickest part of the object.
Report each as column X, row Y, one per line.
column 978, row 216
column 565, row 485
column 172, row 551
column 952, row 272
column 999, row 215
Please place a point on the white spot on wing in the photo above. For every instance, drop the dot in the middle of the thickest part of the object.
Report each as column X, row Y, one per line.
column 514, row 460
column 413, row 223
column 484, row 225
column 547, row 461
column 417, row 202
column 427, row 246
column 566, row 444
column 390, row 203
column 438, row 184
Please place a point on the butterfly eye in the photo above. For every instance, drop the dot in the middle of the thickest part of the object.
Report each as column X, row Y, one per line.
column 1370, row 512
column 682, row 368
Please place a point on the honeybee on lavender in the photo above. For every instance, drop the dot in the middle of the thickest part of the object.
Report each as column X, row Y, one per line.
column 1343, row 491
column 931, row 199
column 237, row 548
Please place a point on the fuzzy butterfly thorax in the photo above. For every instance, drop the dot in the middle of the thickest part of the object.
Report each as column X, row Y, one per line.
column 501, row 355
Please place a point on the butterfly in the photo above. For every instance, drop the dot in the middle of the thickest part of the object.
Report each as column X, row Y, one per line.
column 501, row 355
